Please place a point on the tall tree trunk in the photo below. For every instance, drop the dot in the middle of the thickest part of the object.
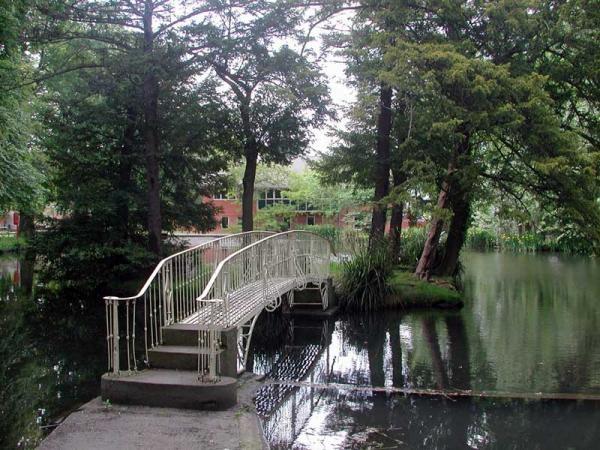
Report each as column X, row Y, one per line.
column 433, row 236
column 125, row 169
column 251, row 154
column 382, row 163
column 26, row 229
column 396, row 218
column 396, row 230
column 151, row 141
column 461, row 207
column 427, row 259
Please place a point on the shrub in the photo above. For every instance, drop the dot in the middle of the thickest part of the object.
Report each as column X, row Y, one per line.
column 327, row 231
column 363, row 278
column 480, row 239
column 412, row 242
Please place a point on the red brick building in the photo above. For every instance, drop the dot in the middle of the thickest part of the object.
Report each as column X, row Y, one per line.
column 9, row 221
column 230, row 212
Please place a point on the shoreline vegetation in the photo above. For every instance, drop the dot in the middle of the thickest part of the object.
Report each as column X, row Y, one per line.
column 9, row 243
column 404, row 290
column 566, row 242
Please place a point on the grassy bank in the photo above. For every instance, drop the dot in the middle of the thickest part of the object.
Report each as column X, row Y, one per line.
column 407, row 291
column 404, row 290
column 9, row 243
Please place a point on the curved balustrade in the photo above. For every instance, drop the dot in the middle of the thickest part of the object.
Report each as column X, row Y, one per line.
column 168, row 296
column 252, row 279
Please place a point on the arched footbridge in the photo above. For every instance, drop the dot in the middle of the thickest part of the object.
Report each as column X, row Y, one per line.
column 201, row 302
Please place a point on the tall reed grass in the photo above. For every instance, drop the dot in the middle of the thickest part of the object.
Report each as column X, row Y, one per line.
column 363, row 282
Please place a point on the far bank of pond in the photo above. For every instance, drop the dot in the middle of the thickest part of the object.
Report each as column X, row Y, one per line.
column 530, row 324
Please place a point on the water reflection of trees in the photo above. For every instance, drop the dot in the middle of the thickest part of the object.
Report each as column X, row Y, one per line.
column 434, row 352
column 52, row 353
column 537, row 317
column 376, row 340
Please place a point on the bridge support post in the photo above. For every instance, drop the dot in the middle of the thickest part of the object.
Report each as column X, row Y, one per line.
column 229, row 356
column 331, row 298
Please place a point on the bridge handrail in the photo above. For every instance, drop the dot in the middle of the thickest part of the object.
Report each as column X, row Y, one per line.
column 163, row 261
column 225, row 261
column 167, row 296
column 254, row 278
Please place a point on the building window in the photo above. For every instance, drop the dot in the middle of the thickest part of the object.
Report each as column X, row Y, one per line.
column 224, row 222
column 310, row 220
column 271, row 197
column 223, row 196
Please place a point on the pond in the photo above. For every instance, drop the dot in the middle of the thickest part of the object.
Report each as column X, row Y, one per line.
column 52, row 357
column 530, row 324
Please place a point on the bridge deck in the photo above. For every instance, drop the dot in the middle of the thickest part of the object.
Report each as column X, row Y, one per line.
column 244, row 304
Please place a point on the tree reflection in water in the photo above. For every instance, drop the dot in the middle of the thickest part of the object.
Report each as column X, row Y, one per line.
column 52, row 353
column 419, row 350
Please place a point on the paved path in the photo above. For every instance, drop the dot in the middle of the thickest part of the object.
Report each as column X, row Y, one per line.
column 98, row 427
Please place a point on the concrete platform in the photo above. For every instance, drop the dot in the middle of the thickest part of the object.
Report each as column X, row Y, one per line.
column 97, row 426
column 169, row 388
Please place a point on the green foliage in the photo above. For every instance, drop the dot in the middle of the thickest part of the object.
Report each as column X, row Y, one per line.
column 480, row 239
column 83, row 259
column 275, row 217
column 363, row 278
column 330, row 232
column 514, row 81
column 20, row 159
column 267, row 176
column 93, row 138
column 308, row 188
column 412, row 242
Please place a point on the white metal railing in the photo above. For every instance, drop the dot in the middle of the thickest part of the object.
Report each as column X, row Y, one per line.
column 252, row 279
column 168, row 296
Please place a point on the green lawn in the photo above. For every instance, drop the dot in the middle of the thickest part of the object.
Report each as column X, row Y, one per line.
column 9, row 243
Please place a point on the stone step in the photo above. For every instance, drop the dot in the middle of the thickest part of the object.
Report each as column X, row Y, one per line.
column 169, row 389
column 309, row 296
column 180, row 357
column 180, row 334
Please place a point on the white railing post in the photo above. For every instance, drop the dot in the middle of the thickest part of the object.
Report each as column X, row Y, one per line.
column 115, row 326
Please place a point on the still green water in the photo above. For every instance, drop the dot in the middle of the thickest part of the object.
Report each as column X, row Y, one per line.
column 530, row 324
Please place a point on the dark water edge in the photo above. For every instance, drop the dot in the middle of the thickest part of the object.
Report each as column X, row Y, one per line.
column 329, row 419
column 529, row 325
column 52, row 353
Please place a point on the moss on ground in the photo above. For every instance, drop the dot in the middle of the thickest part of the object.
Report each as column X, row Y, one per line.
column 408, row 291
